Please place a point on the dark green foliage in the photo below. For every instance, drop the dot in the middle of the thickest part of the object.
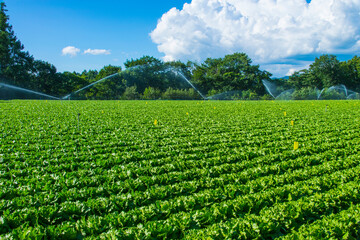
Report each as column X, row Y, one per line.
column 327, row 71
column 71, row 81
column 131, row 93
column 351, row 73
column 109, row 89
column 50, row 82
column 180, row 94
column 151, row 72
column 233, row 72
column 16, row 64
column 306, row 93
column 151, row 93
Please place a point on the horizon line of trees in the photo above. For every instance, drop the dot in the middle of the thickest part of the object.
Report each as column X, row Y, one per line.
column 151, row 78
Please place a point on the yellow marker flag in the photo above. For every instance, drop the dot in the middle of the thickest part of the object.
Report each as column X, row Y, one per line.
column 285, row 114
column 214, row 107
column 146, row 103
column 292, row 123
column 187, row 113
column 155, row 122
column 296, row 145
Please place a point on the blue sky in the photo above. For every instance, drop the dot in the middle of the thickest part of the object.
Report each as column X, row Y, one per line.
column 45, row 27
column 282, row 36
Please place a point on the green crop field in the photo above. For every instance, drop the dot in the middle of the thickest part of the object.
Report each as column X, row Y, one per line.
column 179, row 169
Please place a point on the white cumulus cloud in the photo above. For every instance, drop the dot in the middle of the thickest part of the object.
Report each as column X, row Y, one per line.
column 70, row 50
column 97, row 51
column 269, row 31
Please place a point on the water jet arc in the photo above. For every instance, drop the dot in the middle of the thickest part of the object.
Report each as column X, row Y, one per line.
column 90, row 85
column 28, row 91
column 175, row 71
column 267, row 86
column 182, row 75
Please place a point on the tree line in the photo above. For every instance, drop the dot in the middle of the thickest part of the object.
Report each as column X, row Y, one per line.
column 150, row 78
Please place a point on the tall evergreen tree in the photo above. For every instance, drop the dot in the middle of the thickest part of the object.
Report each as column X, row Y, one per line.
column 15, row 63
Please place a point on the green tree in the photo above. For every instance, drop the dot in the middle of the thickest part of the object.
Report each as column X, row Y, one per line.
column 351, row 72
column 70, row 82
column 144, row 72
column 145, row 60
column 45, row 78
column 233, row 72
column 306, row 93
column 303, row 78
column 151, row 93
column 111, row 88
column 90, row 75
column 326, row 71
column 15, row 63
column 131, row 93
column 178, row 81
column 151, row 72
column 107, row 71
